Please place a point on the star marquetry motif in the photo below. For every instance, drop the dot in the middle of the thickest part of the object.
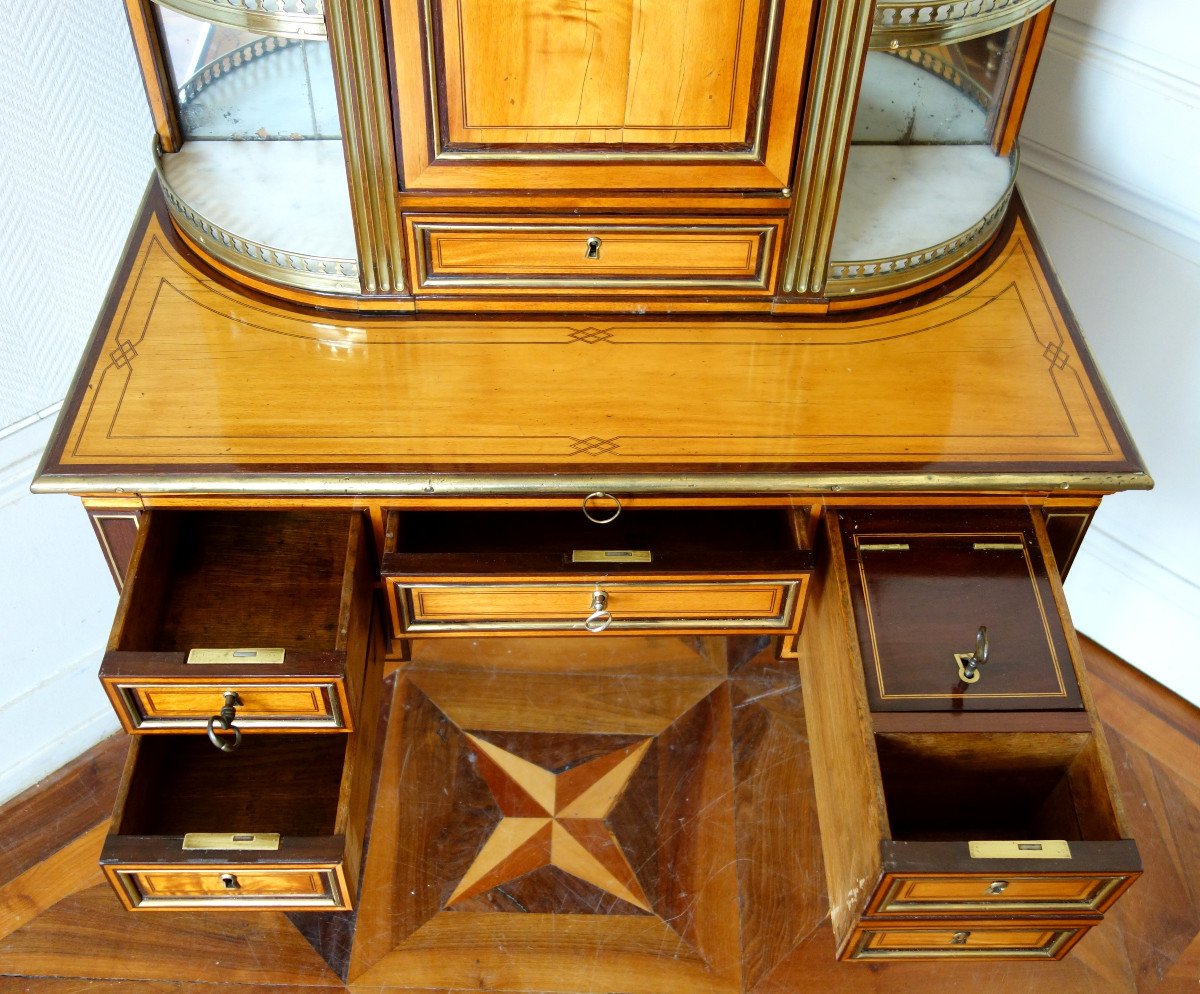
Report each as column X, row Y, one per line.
column 554, row 819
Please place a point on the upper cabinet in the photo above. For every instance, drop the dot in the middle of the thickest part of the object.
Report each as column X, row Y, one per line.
column 631, row 156
column 598, row 94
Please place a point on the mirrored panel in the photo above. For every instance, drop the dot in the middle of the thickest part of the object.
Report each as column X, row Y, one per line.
column 261, row 178
column 924, row 185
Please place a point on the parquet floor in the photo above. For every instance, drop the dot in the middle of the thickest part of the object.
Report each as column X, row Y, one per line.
column 647, row 829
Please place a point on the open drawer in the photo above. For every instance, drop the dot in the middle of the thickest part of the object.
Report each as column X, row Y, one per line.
column 263, row 613
column 277, row 824
column 932, row 589
column 672, row 571
column 951, row 831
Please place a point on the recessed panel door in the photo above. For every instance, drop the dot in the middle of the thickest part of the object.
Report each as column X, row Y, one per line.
column 598, row 94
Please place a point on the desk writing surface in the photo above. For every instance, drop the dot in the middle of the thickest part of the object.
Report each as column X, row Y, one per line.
column 191, row 384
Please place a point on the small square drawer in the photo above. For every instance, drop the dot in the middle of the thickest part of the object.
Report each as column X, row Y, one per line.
column 666, row 571
column 978, row 940
column 955, row 612
column 276, row 824
column 263, row 613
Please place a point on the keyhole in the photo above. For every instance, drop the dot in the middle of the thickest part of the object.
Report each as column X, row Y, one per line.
column 593, row 249
column 230, row 881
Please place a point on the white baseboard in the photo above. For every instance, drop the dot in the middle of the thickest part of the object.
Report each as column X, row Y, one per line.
column 1139, row 610
column 56, row 607
column 37, row 740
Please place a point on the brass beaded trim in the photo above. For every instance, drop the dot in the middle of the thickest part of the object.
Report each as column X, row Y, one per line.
column 899, row 23
column 295, row 269
column 283, row 18
column 895, row 272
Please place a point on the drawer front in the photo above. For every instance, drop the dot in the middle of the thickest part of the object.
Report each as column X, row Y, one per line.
column 446, row 609
column 984, row 893
column 230, row 886
column 935, row 592
column 516, row 255
column 173, row 706
column 974, row 941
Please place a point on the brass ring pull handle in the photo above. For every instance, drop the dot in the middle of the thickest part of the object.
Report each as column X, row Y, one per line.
column 968, row 663
column 601, row 495
column 998, row 887
column 601, row 617
column 225, row 720
column 959, row 938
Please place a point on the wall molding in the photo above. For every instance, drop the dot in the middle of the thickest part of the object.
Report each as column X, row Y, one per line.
column 1121, row 58
column 1140, row 73
column 1110, row 189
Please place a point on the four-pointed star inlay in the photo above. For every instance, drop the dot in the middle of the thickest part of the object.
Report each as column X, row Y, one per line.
column 554, row 819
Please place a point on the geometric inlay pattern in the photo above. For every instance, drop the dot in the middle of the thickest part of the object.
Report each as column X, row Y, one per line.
column 1056, row 356
column 590, row 336
column 593, row 446
column 554, row 819
column 124, row 354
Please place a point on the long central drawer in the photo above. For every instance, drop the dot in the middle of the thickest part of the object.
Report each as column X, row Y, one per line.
column 677, row 571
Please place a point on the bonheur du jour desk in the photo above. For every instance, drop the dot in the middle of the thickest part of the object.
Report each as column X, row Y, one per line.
column 487, row 739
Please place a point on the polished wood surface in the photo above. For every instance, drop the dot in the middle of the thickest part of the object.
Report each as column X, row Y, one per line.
column 997, row 392
column 71, row 933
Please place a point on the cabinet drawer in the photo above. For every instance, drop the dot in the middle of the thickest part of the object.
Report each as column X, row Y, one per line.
column 516, row 254
column 532, row 571
column 992, row 892
column 979, row 940
column 278, row 823
column 930, row 590
column 231, row 886
column 266, row 612
column 634, row 607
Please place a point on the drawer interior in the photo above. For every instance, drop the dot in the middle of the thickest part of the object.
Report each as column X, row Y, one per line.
column 288, row 784
column 1005, row 785
column 677, row 539
column 238, row 578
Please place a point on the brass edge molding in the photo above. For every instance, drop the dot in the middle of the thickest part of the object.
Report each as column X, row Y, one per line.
column 160, row 90
column 848, row 277
column 824, row 145
column 290, row 19
column 498, row 485
column 903, row 24
column 276, row 265
column 355, row 30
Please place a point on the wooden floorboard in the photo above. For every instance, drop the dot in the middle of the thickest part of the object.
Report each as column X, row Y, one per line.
column 62, row 930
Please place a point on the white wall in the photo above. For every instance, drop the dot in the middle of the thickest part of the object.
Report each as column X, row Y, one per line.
column 74, row 160
column 1111, row 159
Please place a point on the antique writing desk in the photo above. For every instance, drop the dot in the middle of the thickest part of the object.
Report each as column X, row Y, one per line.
column 488, row 626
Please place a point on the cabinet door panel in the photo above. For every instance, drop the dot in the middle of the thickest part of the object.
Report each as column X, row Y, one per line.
column 609, row 94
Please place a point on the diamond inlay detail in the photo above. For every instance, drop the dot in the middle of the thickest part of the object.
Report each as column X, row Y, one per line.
column 554, row 819
column 594, row 446
column 1057, row 356
column 590, row 336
